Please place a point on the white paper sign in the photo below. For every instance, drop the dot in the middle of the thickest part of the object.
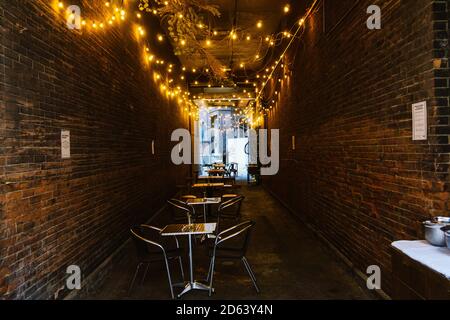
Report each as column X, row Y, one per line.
column 419, row 120
column 65, row 144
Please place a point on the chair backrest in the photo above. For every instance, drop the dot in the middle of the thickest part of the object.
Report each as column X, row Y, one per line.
column 240, row 232
column 227, row 170
column 181, row 211
column 231, row 209
column 146, row 237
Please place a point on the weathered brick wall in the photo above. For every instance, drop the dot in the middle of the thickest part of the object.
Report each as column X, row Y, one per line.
column 356, row 175
column 54, row 212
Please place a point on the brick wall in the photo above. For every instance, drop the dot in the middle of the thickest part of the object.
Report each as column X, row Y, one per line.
column 356, row 175
column 56, row 212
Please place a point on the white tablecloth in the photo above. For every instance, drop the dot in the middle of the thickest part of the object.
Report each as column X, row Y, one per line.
column 436, row 258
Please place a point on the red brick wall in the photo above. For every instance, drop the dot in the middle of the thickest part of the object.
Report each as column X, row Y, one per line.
column 356, row 175
column 54, row 212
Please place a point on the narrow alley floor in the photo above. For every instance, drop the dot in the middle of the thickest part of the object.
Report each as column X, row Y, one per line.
column 288, row 260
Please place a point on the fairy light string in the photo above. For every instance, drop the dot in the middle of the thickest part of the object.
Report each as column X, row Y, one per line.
column 172, row 79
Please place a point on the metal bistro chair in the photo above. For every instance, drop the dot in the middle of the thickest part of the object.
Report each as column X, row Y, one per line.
column 234, row 169
column 181, row 211
column 230, row 208
column 149, row 248
column 232, row 244
column 184, row 213
column 228, row 168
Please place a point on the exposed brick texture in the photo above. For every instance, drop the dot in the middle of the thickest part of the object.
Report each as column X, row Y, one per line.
column 56, row 212
column 356, row 175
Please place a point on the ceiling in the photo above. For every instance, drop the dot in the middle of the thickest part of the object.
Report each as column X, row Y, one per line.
column 242, row 16
column 238, row 56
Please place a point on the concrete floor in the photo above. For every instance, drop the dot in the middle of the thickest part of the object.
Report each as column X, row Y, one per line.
column 289, row 263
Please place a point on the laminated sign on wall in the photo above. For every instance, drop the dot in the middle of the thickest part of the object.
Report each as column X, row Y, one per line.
column 65, row 144
column 419, row 121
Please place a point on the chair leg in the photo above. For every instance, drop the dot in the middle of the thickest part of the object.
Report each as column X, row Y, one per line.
column 169, row 277
column 209, row 271
column 212, row 274
column 145, row 273
column 134, row 278
column 250, row 272
column 181, row 267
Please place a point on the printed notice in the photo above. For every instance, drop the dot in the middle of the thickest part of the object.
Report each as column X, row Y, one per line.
column 65, row 144
column 419, row 118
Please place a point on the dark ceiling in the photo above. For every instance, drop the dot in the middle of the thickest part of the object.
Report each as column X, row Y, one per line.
column 243, row 57
column 242, row 16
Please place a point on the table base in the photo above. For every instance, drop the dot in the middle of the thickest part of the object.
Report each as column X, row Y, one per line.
column 196, row 285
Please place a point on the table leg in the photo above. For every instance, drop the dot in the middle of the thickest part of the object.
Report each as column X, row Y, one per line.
column 192, row 284
column 191, row 266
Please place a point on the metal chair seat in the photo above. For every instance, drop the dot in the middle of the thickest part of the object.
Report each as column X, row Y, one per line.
column 226, row 253
column 170, row 254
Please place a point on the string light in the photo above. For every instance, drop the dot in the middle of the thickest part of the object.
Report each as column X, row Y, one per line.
column 271, row 40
